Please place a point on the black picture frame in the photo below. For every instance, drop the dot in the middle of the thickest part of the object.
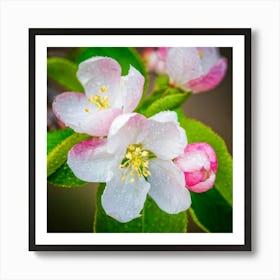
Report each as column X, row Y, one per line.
column 246, row 33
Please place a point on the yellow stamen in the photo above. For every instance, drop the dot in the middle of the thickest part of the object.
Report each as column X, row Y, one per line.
column 131, row 148
column 103, row 89
column 200, row 53
column 146, row 163
column 136, row 162
column 100, row 103
column 132, row 172
column 145, row 153
column 86, row 110
column 128, row 155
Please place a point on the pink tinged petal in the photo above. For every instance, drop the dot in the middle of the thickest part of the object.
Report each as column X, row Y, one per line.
column 124, row 131
column 84, row 70
column 124, row 200
column 214, row 165
column 155, row 60
column 160, row 67
column 166, row 140
column 192, row 161
column 90, row 162
column 131, row 89
column 211, row 79
column 199, row 164
column 209, row 57
column 163, row 53
column 207, row 149
column 183, row 64
column 75, row 111
column 147, row 52
column 168, row 187
column 97, row 72
column 150, row 58
column 100, row 122
column 194, row 177
column 70, row 108
column 203, row 186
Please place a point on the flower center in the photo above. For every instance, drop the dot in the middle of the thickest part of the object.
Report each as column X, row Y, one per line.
column 136, row 162
column 100, row 102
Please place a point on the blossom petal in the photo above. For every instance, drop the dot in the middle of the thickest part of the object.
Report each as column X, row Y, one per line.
column 124, row 131
column 166, row 139
column 209, row 57
column 90, row 162
column 163, row 53
column 194, row 177
column 97, row 72
column 211, row 79
column 168, row 187
column 183, row 64
column 193, row 160
column 100, row 122
column 199, row 164
column 124, row 200
column 75, row 111
column 207, row 149
column 155, row 59
column 70, row 108
column 165, row 116
column 203, row 186
column 150, row 59
column 131, row 89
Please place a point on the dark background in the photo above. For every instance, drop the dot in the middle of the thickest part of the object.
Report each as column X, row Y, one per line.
column 72, row 209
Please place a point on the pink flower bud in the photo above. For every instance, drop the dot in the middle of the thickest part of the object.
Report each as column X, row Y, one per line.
column 199, row 164
column 155, row 59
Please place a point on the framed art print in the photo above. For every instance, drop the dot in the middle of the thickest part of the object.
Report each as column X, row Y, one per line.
column 140, row 139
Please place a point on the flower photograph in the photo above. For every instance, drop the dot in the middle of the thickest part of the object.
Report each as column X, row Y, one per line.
column 139, row 140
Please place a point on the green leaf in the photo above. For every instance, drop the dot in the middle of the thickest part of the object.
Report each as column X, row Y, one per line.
column 145, row 103
column 58, row 154
column 125, row 57
column 56, row 136
column 156, row 220
column 198, row 132
column 152, row 219
column 63, row 71
column 211, row 211
column 75, row 54
column 196, row 220
column 104, row 223
column 168, row 101
column 162, row 81
column 64, row 177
